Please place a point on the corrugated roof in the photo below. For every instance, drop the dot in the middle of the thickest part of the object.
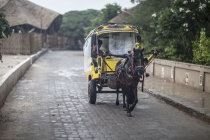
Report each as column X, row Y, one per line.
column 20, row 12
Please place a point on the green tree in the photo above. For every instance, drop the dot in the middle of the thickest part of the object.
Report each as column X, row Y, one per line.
column 201, row 49
column 180, row 24
column 142, row 18
column 4, row 30
column 94, row 23
column 74, row 22
column 110, row 11
column 106, row 14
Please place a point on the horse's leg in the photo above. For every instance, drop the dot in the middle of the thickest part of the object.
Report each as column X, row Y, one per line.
column 123, row 93
column 128, row 109
column 136, row 99
column 117, row 100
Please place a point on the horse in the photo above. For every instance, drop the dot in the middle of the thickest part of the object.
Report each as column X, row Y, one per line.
column 129, row 72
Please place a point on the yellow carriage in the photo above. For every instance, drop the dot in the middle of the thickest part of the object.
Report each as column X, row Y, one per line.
column 116, row 41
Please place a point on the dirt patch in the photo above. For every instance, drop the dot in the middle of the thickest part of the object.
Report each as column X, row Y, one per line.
column 10, row 61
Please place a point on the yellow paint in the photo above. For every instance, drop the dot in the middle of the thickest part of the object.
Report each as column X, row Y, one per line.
column 110, row 61
column 139, row 46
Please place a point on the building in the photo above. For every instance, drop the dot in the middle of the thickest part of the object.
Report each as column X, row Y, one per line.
column 25, row 16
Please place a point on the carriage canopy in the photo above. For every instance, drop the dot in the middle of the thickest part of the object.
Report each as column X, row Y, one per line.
column 117, row 39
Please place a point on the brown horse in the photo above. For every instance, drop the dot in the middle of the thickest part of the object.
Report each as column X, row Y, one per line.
column 129, row 73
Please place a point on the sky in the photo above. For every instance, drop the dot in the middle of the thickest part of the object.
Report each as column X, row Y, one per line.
column 63, row 6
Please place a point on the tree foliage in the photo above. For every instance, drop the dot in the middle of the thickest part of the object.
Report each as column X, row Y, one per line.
column 106, row 14
column 110, row 11
column 201, row 49
column 179, row 25
column 174, row 26
column 4, row 29
column 142, row 18
column 74, row 22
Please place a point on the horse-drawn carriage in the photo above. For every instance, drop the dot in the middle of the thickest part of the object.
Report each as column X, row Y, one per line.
column 121, row 65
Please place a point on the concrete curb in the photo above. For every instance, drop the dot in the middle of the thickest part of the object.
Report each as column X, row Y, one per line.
column 190, row 111
column 10, row 79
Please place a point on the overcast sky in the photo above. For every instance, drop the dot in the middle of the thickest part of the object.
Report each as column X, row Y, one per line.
column 63, row 6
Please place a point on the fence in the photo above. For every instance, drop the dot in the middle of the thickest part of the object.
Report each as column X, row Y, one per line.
column 30, row 43
column 56, row 42
column 196, row 76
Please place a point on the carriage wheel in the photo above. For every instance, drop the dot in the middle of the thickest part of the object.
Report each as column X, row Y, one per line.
column 92, row 92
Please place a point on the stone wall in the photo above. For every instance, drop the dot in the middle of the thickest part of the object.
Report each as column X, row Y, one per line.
column 196, row 76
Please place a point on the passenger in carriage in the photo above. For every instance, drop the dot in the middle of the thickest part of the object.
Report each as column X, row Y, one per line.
column 94, row 52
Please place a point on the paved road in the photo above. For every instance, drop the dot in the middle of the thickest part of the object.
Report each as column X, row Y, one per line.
column 50, row 102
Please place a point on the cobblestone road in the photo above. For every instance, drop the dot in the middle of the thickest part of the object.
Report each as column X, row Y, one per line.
column 50, row 102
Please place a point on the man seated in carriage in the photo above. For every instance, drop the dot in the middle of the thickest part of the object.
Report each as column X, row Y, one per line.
column 94, row 52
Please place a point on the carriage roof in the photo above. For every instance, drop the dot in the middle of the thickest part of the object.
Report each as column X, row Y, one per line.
column 113, row 27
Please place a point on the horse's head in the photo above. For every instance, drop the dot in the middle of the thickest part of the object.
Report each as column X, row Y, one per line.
column 138, row 59
column 132, row 66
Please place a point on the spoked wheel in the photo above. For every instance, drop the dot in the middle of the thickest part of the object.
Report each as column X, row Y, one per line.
column 92, row 91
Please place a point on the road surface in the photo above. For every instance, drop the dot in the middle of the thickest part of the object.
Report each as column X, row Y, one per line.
column 50, row 102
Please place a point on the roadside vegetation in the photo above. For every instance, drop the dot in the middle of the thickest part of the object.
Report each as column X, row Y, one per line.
column 4, row 30
column 76, row 24
column 179, row 29
column 73, row 25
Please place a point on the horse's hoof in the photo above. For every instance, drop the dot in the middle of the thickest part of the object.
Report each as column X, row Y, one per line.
column 129, row 115
column 117, row 102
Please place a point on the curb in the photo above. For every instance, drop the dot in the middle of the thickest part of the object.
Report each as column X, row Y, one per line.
column 190, row 111
column 10, row 79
